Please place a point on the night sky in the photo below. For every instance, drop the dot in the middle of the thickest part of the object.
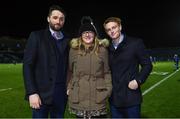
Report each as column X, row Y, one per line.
column 156, row 22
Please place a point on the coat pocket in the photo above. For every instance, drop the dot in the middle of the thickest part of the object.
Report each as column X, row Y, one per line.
column 101, row 94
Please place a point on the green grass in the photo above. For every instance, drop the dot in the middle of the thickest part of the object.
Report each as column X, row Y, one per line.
column 12, row 102
column 161, row 102
column 164, row 100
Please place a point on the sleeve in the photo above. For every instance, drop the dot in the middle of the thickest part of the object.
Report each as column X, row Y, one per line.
column 70, row 67
column 107, row 73
column 29, row 61
column 144, row 60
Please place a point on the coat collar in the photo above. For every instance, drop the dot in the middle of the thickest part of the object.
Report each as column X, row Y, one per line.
column 111, row 48
column 51, row 46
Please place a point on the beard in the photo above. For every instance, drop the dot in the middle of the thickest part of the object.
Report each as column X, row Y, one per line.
column 55, row 27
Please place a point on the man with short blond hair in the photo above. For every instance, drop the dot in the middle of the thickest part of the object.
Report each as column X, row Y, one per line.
column 126, row 54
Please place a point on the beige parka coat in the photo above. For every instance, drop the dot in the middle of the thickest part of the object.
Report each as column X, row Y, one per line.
column 90, row 83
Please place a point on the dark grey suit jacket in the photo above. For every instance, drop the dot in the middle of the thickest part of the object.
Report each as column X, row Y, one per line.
column 40, row 64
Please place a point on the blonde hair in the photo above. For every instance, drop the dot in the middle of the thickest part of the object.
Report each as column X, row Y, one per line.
column 77, row 43
column 112, row 19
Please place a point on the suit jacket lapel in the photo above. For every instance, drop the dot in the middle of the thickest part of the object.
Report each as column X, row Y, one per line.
column 51, row 45
column 63, row 45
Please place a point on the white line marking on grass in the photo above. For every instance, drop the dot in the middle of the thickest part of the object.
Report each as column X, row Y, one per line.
column 159, row 73
column 158, row 83
column 1, row 90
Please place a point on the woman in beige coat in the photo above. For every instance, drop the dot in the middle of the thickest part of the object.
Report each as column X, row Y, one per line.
column 89, row 84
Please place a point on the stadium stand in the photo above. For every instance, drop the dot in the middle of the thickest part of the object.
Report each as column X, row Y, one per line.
column 11, row 49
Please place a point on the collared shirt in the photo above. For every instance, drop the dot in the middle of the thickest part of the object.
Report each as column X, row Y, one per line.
column 119, row 41
column 60, row 36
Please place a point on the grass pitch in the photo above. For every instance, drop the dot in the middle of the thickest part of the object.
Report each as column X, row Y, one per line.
column 161, row 101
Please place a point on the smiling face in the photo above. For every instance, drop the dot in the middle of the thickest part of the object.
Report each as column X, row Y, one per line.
column 56, row 20
column 113, row 30
column 88, row 37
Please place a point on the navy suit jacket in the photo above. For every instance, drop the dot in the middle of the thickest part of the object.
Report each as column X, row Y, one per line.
column 40, row 64
column 125, row 64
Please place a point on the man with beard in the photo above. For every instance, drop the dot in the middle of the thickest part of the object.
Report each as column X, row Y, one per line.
column 45, row 67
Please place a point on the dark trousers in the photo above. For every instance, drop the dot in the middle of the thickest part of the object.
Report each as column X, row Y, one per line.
column 125, row 112
column 57, row 108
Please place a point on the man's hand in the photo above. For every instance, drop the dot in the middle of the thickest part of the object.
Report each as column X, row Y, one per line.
column 133, row 84
column 34, row 101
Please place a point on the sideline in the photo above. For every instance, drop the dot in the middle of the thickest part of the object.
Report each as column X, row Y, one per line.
column 1, row 90
column 159, row 73
column 158, row 83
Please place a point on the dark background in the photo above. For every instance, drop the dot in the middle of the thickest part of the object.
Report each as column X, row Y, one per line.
column 156, row 22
